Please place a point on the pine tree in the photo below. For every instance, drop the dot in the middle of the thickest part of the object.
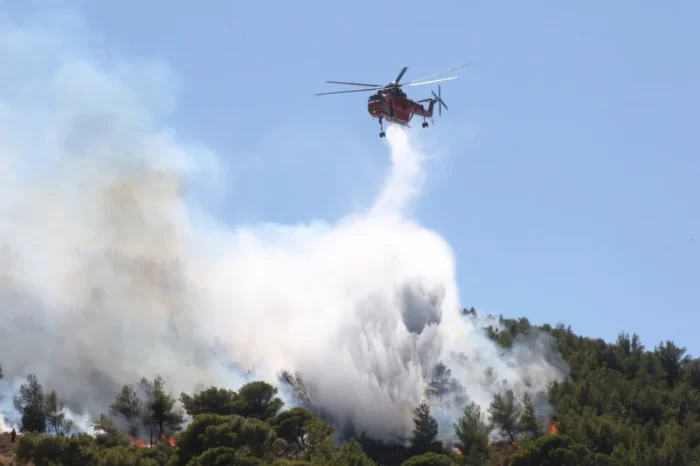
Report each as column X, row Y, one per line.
column 258, row 400
column 30, row 403
column 162, row 412
column 107, row 432
column 504, row 414
column 473, row 435
column 424, row 436
column 528, row 422
column 145, row 389
column 56, row 416
column 128, row 405
column 351, row 453
column 439, row 384
column 672, row 359
column 213, row 400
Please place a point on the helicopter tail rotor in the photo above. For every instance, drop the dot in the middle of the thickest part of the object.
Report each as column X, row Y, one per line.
column 440, row 102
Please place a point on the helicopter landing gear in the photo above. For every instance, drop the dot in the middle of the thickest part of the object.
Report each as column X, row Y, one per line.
column 381, row 126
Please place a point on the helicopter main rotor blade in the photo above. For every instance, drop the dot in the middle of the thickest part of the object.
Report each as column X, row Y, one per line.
column 438, row 73
column 398, row 78
column 345, row 92
column 430, row 82
column 354, row 84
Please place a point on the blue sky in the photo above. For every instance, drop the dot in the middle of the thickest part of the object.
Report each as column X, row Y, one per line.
column 567, row 179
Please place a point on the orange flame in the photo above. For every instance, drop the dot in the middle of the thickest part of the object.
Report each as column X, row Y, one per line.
column 171, row 442
column 139, row 443
column 552, row 428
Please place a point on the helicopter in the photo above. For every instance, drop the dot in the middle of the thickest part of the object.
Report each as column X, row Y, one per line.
column 391, row 103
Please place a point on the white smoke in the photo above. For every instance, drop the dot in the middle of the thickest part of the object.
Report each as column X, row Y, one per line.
column 107, row 274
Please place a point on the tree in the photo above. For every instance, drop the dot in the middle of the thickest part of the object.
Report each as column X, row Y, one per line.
column 489, row 377
column 292, row 426
column 52, row 450
column 30, row 403
column 528, row 422
column 145, row 390
column 384, row 452
column 255, row 399
column 258, row 400
column 121, row 455
column 163, row 415
column 472, row 433
column 692, row 373
column 319, row 442
column 128, row 405
column 56, row 421
column 213, row 400
column 430, row 459
column 425, row 432
column 351, row 453
column 223, row 456
column 439, row 383
column 108, row 433
column 672, row 361
column 248, row 436
column 504, row 414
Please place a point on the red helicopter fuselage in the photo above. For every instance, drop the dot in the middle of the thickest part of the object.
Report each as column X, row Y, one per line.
column 394, row 106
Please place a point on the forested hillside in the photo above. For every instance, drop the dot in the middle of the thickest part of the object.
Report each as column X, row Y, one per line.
column 622, row 405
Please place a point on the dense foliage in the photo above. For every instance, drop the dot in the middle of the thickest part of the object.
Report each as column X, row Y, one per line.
column 621, row 405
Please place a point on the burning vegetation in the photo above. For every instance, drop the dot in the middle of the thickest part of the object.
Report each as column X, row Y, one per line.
column 163, row 440
column 144, row 417
column 144, row 424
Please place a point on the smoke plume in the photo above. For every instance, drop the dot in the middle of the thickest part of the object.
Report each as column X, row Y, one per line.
column 108, row 274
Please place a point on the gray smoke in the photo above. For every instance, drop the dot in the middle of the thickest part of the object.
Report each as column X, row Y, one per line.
column 107, row 274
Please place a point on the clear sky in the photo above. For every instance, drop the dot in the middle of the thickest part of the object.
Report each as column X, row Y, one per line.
column 567, row 176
